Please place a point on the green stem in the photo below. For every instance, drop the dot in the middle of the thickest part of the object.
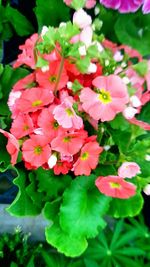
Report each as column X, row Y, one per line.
column 59, row 74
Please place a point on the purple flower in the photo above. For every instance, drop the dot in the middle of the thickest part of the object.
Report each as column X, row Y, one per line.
column 126, row 6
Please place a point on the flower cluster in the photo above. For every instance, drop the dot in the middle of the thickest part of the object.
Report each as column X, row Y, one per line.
column 75, row 84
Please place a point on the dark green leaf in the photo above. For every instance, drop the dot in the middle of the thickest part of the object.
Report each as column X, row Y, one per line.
column 133, row 30
column 20, row 23
column 46, row 12
column 22, row 205
column 50, row 183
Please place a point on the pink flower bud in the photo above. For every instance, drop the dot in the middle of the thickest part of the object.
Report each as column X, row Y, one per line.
column 129, row 170
column 82, row 19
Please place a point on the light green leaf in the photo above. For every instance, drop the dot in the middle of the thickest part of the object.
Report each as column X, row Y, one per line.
column 77, row 4
column 83, row 207
column 119, row 123
column 121, row 208
column 141, row 68
column 71, row 247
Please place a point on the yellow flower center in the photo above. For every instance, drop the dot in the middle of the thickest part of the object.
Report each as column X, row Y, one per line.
column 114, row 185
column 25, row 127
column 66, row 139
column 84, row 156
column 69, row 112
column 38, row 150
column 55, row 125
column 36, row 103
column 52, row 79
column 104, row 96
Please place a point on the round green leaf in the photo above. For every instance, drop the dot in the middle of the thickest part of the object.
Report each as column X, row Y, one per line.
column 83, row 207
column 131, row 207
column 71, row 247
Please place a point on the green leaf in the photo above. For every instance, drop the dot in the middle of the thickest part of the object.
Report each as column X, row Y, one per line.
column 51, row 209
column 144, row 114
column 71, row 247
column 90, row 263
column 131, row 207
column 119, row 123
column 32, row 191
column 51, row 184
column 83, row 207
column 122, row 139
column 8, row 78
column 68, row 30
column 83, row 64
column 46, row 14
column 131, row 251
column 41, row 63
column 77, row 4
column 139, row 150
column 76, row 86
column 93, row 51
column 31, row 262
column 141, row 68
column 4, row 156
column 22, row 205
column 133, row 30
column 19, row 22
column 13, row 264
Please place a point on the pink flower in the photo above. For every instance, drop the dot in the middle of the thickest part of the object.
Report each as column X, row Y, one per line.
column 88, row 159
column 48, row 79
column 36, row 150
column 142, row 124
column 22, row 126
column 86, row 36
column 34, row 99
column 65, row 115
column 69, row 143
column 110, row 98
column 90, row 3
column 81, row 19
column 26, row 82
column 128, row 170
column 27, row 55
column 67, row 2
column 13, row 96
column 12, row 146
column 115, row 186
column 49, row 125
